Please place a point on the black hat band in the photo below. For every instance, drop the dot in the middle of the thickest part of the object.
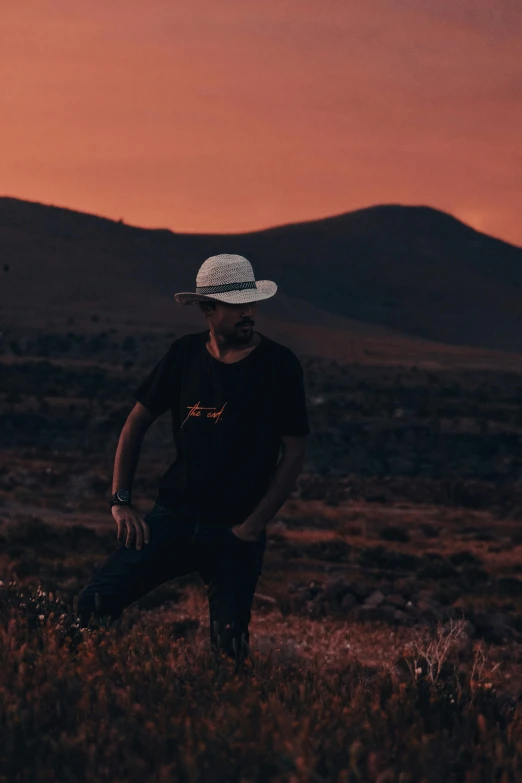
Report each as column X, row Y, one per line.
column 218, row 289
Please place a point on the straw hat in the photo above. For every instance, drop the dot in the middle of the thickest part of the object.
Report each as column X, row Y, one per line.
column 227, row 278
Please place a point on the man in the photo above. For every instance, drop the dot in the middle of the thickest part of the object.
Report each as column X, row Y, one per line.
column 237, row 401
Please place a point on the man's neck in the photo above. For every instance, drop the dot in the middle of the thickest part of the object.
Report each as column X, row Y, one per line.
column 225, row 351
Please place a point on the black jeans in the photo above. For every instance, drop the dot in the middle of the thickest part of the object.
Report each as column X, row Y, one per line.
column 181, row 542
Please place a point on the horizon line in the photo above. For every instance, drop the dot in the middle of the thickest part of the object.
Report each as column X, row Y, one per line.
column 121, row 221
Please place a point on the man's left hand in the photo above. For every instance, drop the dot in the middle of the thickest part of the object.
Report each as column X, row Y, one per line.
column 245, row 533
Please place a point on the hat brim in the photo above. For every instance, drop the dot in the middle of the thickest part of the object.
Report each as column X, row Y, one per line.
column 264, row 290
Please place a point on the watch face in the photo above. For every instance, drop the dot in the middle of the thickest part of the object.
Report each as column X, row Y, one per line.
column 123, row 495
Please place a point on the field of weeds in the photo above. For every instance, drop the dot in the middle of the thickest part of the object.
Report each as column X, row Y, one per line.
column 145, row 701
column 342, row 685
column 386, row 632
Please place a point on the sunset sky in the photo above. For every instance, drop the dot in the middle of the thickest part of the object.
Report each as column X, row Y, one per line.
column 231, row 116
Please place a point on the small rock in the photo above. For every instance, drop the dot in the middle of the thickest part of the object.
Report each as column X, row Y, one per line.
column 374, row 599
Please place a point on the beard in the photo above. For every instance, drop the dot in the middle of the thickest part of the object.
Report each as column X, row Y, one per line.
column 240, row 336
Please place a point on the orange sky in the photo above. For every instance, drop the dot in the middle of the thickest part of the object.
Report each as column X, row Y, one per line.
column 206, row 115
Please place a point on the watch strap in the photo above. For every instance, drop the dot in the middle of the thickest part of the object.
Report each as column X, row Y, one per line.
column 121, row 497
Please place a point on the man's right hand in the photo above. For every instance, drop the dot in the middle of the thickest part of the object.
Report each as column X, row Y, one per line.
column 131, row 527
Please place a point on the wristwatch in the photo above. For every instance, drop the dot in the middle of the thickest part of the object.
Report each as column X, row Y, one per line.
column 121, row 498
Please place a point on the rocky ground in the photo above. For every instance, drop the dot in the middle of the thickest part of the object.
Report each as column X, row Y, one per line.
column 408, row 510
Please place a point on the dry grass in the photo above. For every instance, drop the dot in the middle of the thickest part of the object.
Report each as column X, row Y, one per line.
column 411, row 493
column 138, row 703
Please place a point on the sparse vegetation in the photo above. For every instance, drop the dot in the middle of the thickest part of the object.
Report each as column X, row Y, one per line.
column 387, row 627
column 145, row 701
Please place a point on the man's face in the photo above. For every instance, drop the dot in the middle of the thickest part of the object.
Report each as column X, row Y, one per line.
column 233, row 322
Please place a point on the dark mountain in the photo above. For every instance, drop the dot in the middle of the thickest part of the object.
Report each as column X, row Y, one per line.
column 410, row 270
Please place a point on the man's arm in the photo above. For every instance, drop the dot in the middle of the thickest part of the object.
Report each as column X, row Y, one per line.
column 283, row 481
column 125, row 462
column 129, row 447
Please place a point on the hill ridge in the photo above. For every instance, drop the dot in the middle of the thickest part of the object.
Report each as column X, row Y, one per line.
column 411, row 270
column 380, row 209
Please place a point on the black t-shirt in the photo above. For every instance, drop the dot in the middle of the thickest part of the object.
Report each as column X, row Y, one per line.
column 227, row 422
